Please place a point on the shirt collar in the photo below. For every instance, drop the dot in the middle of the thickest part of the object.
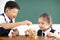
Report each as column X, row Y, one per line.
column 7, row 19
column 47, row 31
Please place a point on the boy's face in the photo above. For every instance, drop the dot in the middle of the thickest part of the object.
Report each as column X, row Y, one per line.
column 12, row 13
column 43, row 24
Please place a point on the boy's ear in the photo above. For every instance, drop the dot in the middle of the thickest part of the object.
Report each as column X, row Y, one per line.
column 7, row 9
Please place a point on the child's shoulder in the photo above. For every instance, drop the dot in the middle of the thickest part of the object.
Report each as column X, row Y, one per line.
column 52, row 30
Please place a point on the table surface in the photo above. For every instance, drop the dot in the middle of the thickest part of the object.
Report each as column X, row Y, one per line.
column 26, row 38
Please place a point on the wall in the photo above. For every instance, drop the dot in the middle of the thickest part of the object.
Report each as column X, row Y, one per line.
column 31, row 9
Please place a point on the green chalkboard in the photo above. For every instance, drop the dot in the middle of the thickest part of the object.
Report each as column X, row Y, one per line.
column 31, row 9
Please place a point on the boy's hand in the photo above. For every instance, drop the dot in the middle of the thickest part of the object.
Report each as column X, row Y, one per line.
column 27, row 22
column 15, row 32
column 30, row 32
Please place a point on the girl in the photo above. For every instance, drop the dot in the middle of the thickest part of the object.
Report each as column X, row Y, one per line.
column 45, row 24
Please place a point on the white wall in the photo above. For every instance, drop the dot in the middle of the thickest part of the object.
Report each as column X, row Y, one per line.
column 56, row 27
column 23, row 28
column 2, row 4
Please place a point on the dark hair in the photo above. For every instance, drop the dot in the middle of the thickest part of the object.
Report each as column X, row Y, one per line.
column 11, row 4
column 46, row 17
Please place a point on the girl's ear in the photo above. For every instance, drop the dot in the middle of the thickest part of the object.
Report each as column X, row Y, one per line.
column 50, row 24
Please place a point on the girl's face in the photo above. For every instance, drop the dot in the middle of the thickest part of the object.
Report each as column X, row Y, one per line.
column 43, row 24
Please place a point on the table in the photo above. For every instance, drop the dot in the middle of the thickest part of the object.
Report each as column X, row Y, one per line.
column 26, row 38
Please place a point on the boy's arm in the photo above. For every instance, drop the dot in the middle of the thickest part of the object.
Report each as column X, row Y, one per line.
column 11, row 25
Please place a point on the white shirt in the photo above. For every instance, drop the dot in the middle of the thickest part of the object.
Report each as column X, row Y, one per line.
column 47, row 31
column 2, row 19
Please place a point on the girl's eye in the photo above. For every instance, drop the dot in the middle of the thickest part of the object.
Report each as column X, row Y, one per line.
column 41, row 23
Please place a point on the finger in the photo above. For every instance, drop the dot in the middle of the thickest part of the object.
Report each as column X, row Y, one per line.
column 15, row 30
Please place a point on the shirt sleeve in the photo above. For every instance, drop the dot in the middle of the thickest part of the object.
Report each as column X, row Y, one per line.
column 56, row 32
column 2, row 20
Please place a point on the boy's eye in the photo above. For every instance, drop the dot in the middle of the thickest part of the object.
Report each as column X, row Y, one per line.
column 42, row 23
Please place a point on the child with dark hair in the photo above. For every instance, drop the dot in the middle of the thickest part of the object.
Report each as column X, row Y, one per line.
column 7, row 19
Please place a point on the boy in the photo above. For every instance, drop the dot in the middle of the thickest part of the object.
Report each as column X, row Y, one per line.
column 7, row 19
